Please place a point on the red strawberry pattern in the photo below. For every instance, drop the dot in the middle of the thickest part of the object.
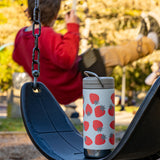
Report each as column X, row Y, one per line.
column 86, row 125
column 111, row 110
column 112, row 139
column 112, row 125
column 94, row 98
column 113, row 97
column 97, row 125
column 99, row 111
column 88, row 140
column 88, row 110
column 100, row 139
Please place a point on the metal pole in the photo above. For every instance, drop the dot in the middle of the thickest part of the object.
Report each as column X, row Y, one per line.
column 6, row 45
column 123, row 89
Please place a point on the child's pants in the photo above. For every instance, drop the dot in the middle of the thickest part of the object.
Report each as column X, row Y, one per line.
column 102, row 61
column 126, row 53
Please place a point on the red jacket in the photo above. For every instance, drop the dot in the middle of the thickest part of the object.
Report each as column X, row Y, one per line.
column 58, row 60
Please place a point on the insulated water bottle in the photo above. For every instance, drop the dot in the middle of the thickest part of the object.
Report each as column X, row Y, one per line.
column 98, row 115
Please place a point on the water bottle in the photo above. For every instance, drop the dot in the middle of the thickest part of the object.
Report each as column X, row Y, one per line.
column 98, row 115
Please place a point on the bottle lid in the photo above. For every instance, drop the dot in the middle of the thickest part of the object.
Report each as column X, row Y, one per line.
column 98, row 82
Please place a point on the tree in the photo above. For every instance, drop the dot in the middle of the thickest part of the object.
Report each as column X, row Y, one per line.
column 135, row 77
column 105, row 22
column 7, row 68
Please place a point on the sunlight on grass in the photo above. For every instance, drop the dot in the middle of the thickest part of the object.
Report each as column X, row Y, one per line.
column 11, row 124
column 120, row 128
column 131, row 109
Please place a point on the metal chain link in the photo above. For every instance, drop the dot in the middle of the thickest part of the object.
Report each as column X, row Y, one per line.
column 36, row 50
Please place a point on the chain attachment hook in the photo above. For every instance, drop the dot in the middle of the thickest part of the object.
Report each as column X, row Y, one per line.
column 35, row 74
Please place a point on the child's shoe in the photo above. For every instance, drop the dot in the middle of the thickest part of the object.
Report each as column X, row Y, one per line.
column 154, row 27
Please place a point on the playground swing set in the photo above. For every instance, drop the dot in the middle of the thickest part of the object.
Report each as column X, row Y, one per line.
column 55, row 137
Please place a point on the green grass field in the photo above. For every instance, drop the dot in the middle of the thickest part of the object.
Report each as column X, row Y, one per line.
column 16, row 124
column 131, row 109
column 11, row 124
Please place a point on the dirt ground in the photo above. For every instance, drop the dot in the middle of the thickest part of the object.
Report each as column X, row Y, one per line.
column 18, row 147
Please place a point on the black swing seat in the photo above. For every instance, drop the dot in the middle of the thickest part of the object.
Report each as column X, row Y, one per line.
column 56, row 138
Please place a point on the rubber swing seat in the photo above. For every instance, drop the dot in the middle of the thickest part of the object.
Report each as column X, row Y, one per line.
column 56, row 138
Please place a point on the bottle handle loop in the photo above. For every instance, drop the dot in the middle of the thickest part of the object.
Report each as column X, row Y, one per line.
column 87, row 73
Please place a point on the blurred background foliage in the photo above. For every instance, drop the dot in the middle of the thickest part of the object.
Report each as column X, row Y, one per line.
column 112, row 22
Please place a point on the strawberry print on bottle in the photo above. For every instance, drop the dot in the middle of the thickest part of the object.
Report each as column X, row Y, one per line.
column 86, row 125
column 113, row 97
column 100, row 139
column 94, row 98
column 111, row 110
column 88, row 110
column 88, row 140
column 112, row 139
column 97, row 125
column 99, row 120
column 99, row 111
column 112, row 125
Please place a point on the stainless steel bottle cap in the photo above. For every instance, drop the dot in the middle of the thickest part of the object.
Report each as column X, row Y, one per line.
column 94, row 83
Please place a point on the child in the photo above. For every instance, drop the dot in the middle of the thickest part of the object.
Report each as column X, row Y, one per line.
column 61, row 69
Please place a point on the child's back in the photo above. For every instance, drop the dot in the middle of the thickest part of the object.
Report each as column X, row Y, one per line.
column 58, row 55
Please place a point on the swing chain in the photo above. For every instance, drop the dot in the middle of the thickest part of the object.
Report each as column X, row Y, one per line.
column 36, row 50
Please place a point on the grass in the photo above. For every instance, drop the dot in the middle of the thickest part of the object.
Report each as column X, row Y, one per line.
column 131, row 109
column 16, row 125
column 121, row 128
column 11, row 124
